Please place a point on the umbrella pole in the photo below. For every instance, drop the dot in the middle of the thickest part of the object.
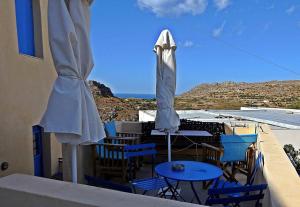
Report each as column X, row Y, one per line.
column 169, row 147
column 74, row 163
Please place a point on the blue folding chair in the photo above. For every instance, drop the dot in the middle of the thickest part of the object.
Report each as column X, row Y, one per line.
column 236, row 146
column 246, row 193
column 221, row 183
column 146, row 184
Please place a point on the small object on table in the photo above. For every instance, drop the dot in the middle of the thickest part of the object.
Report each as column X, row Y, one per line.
column 178, row 167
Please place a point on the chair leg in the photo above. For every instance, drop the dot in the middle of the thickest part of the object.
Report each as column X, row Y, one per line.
column 152, row 167
column 133, row 189
column 130, row 176
column 206, row 184
column 135, row 167
column 162, row 194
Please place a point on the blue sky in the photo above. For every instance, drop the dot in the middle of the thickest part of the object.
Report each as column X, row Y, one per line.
column 218, row 40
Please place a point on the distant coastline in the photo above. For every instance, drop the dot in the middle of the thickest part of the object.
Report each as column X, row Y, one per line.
column 135, row 95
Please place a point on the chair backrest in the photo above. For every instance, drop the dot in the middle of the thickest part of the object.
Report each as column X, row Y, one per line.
column 110, row 129
column 247, row 193
column 259, row 162
column 140, row 150
column 235, row 146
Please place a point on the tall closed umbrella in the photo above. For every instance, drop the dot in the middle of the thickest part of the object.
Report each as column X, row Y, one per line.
column 71, row 112
column 166, row 117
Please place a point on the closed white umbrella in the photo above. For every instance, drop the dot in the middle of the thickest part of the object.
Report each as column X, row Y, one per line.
column 166, row 117
column 71, row 112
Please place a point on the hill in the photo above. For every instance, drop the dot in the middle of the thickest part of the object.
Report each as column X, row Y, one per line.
column 226, row 95
column 111, row 107
column 232, row 95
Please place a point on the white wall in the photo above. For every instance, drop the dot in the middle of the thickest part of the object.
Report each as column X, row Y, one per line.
column 30, row 191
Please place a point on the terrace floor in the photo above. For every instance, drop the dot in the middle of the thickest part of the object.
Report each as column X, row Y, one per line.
column 185, row 188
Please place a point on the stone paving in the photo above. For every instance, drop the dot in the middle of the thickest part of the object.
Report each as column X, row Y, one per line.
column 185, row 188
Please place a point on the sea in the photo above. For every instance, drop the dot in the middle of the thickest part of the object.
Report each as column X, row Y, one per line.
column 135, row 95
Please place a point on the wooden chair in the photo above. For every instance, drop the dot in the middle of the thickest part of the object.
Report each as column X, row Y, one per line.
column 110, row 157
column 238, row 151
column 243, row 194
column 111, row 131
column 137, row 151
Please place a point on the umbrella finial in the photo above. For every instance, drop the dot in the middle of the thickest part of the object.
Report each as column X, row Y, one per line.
column 165, row 40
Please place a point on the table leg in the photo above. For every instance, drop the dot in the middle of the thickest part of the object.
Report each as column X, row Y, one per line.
column 176, row 192
column 195, row 192
column 173, row 190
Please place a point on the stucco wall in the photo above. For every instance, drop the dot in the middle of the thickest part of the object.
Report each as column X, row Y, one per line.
column 25, row 84
column 282, row 178
column 29, row 191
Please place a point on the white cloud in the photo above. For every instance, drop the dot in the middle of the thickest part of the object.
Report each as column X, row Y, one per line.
column 188, row 43
column 291, row 10
column 222, row 4
column 173, row 7
column 218, row 31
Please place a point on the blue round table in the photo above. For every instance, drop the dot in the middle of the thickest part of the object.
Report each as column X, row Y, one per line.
column 193, row 172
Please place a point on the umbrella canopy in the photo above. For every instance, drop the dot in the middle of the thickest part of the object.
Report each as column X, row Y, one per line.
column 71, row 112
column 166, row 117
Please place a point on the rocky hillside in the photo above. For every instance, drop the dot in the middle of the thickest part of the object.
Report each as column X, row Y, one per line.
column 111, row 107
column 227, row 95
column 230, row 95
column 99, row 89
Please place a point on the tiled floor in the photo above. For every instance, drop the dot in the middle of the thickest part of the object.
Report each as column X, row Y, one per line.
column 185, row 188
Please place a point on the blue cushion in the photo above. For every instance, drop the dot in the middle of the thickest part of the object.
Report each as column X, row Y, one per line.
column 110, row 129
column 115, row 154
column 235, row 146
column 226, row 184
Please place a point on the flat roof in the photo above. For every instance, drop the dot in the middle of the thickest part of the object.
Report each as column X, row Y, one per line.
column 282, row 118
column 285, row 118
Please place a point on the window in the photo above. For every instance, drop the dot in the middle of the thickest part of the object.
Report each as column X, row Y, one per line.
column 28, row 19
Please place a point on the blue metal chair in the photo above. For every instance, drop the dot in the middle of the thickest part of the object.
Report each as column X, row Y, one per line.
column 221, row 183
column 158, row 184
column 236, row 151
column 246, row 193
column 146, row 184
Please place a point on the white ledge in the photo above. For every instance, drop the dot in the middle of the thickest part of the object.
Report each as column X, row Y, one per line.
column 25, row 191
